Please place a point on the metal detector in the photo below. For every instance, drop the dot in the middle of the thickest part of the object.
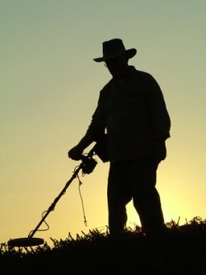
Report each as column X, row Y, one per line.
column 87, row 166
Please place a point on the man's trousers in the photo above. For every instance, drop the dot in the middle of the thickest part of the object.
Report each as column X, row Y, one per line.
column 134, row 179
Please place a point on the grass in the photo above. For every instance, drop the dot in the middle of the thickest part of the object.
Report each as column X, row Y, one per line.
column 181, row 251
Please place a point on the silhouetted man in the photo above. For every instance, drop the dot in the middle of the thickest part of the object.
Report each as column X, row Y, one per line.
column 132, row 111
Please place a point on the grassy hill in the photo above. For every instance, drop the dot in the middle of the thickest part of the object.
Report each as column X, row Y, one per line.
column 181, row 251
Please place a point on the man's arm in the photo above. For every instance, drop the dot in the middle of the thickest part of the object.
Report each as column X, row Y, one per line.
column 94, row 132
column 160, row 119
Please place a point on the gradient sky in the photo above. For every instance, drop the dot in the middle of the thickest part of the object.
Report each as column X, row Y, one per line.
column 49, row 89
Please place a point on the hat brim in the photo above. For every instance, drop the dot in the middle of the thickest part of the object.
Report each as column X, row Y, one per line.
column 129, row 53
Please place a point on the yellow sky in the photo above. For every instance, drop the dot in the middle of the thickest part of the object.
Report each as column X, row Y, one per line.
column 49, row 88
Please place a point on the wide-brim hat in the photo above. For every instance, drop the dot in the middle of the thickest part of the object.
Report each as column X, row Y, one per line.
column 114, row 48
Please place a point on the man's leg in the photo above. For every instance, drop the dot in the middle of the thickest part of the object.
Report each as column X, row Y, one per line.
column 146, row 198
column 118, row 196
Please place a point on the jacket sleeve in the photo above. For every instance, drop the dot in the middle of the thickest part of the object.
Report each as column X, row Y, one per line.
column 160, row 117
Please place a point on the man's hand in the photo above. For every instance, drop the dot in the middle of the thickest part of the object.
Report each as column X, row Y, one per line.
column 160, row 150
column 75, row 153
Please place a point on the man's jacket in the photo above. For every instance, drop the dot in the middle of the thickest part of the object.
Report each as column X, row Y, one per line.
column 133, row 113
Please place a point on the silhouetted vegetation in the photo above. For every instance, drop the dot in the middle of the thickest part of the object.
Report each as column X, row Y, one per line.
column 181, row 251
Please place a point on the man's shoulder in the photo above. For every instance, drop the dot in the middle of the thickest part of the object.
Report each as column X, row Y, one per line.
column 137, row 77
column 141, row 74
column 107, row 87
column 140, row 79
